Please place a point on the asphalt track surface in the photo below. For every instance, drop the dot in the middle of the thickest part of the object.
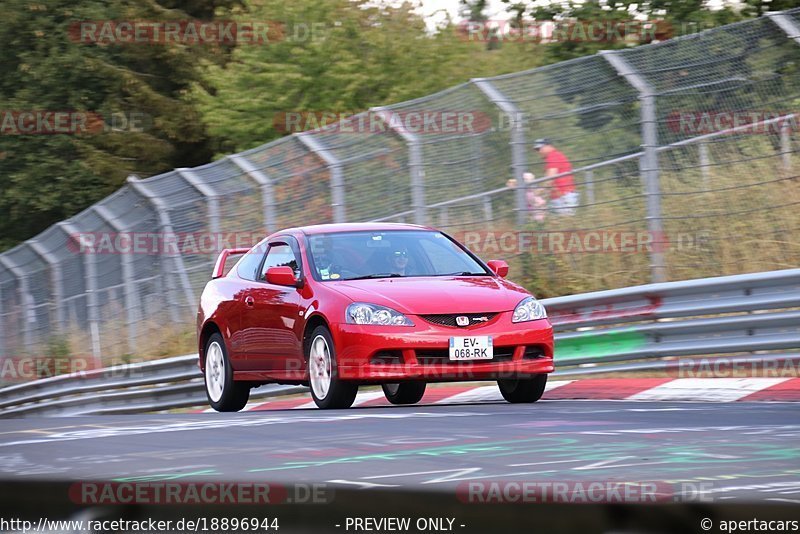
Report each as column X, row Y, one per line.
column 745, row 451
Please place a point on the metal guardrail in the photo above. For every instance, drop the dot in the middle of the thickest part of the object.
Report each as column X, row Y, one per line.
column 725, row 315
column 144, row 387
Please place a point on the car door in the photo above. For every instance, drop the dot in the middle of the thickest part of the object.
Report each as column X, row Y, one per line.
column 271, row 312
column 242, row 350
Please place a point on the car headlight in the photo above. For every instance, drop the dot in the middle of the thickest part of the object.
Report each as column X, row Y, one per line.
column 529, row 309
column 363, row 313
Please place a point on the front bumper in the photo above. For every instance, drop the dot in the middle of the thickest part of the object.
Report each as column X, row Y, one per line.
column 379, row 354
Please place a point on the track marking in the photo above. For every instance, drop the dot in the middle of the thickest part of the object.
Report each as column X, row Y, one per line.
column 707, row 389
column 456, row 473
column 246, row 421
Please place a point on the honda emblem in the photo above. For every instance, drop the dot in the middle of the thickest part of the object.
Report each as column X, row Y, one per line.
column 462, row 320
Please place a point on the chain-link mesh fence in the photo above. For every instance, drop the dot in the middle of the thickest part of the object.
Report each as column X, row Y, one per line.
column 683, row 158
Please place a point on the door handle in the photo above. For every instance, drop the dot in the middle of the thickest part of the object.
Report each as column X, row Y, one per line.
column 249, row 300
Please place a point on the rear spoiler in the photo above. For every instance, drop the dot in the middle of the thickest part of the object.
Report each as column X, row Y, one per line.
column 219, row 268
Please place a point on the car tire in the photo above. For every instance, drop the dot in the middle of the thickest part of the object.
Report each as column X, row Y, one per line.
column 223, row 392
column 518, row 390
column 327, row 390
column 404, row 392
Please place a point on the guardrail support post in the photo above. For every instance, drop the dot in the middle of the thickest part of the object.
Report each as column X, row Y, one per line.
column 90, row 272
column 649, row 162
column 265, row 183
column 519, row 155
column 335, row 168
column 416, row 166
column 132, row 305
column 165, row 224
column 24, row 296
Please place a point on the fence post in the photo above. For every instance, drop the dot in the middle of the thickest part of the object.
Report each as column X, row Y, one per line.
column 787, row 24
column 786, row 146
column 132, row 305
column 24, row 297
column 56, row 280
column 590, row 186
column 165, row 225
column 792, row 31
column 335, row 167
column 649, row 162
column 519, row 156
column 415, row 162
column 265, row 183
column 210, row 195
column 90, row 272
column 704, row 163
column 488, row 216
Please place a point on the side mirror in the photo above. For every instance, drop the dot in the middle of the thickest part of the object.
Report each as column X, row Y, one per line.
column 499, row 267
column 281, row 276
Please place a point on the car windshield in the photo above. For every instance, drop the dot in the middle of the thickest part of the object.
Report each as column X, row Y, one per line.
column 389, row 254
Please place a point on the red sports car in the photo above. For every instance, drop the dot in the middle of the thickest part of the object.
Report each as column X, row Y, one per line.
column 340, row 305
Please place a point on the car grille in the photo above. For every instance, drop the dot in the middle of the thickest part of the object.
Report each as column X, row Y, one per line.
column 449, row 319
column 442, row 356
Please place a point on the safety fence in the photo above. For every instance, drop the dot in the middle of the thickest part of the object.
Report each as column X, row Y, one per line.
column 689, row 145
column 748, row 316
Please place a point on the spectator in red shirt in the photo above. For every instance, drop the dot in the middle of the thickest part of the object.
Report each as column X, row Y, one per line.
column 563, row 196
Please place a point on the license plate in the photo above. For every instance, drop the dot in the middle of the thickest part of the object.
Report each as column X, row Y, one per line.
column 471, row 348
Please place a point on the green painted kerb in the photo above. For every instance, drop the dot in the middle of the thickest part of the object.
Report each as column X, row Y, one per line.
column 598, row 344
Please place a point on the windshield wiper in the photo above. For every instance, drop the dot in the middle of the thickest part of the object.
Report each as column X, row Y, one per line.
column 376, row 275
column 463, row 273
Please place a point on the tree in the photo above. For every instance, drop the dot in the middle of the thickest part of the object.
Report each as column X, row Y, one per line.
column 339, row 56
column 46, row 67
column 574, row 18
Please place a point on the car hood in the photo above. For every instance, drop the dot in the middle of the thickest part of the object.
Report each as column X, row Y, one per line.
column 433, row 295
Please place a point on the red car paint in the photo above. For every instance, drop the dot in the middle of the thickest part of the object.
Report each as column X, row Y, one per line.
column 264, row 325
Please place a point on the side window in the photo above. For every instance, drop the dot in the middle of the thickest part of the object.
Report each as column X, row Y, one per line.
column 248, row 265
column 280, row 255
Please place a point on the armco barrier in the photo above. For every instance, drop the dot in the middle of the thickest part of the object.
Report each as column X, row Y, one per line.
column 724, row 315
column 710, row 316
column 151, row 386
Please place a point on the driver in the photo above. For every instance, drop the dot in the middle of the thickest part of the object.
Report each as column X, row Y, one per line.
column 323, row 258
column 398, row 261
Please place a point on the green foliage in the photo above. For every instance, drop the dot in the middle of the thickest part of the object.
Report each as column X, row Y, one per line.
column 675, row 17
column 46, row 178
column 359, row 56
